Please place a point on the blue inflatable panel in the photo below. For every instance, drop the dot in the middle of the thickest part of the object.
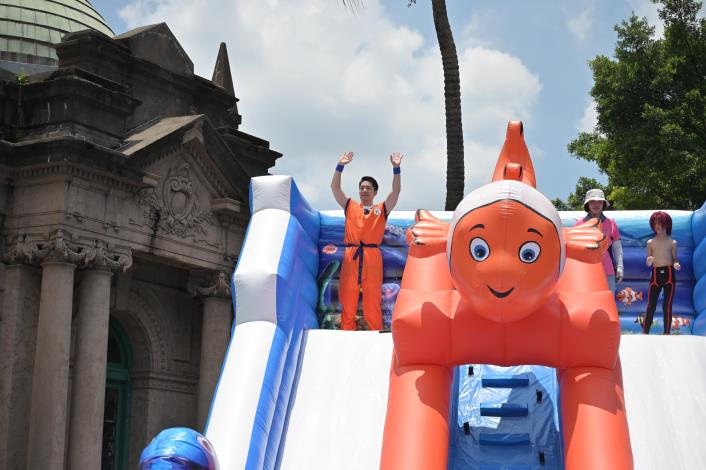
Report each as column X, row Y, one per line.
column 262, row 426
column 307, row 216
column 681, row 324
column 505, row 382
column 296, row 299
column 282, row 406
column 698, row 224
column 504, row 467
column 507, row 425
column 700, row 296
column 700, row 260
column 631, row 297
column 698, row 227
column 699, row 327
column 509, row 410
column 296, row 296
column 634, row 258
column 504, row 439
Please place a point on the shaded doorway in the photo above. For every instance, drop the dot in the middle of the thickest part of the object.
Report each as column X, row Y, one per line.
column 116, row 412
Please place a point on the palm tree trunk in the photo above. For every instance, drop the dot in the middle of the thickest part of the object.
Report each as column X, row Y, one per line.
column 452, row 99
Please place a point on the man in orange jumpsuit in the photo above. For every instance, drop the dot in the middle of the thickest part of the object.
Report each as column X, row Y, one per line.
column 361, row 270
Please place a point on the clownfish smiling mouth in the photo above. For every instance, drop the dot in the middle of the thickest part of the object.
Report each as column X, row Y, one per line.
column 501, row 295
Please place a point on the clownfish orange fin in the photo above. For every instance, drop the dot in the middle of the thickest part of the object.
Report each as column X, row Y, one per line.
column 586, row 242
column 514, row 162
column 428, row 231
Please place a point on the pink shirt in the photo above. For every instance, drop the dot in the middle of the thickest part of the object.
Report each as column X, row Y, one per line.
column 610, row 229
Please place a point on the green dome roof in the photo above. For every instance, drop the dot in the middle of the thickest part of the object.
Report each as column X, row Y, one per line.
column 29, row 29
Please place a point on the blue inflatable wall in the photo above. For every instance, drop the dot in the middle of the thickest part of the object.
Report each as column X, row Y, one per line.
column 689, row 230
column 698, row 227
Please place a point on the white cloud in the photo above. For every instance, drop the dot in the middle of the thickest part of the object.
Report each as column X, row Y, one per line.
column 316, row 80
column 588, row 121
column 581, row 24
column 474, row 34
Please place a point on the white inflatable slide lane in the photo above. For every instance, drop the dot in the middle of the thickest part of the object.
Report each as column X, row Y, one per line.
column 664, row 378
column 338, row 414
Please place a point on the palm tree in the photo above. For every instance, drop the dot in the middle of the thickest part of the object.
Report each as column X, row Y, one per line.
column 452, row 101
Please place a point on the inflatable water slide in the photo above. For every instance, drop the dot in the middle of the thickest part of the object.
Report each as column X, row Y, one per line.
column 504, row 349
column 294, row 396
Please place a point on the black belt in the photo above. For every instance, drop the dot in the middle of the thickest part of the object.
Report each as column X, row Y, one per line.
column 360, row 253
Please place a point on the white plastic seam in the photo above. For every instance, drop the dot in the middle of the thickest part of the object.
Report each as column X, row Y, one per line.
column 271, row 192
column 513, row 190
column 256, row 277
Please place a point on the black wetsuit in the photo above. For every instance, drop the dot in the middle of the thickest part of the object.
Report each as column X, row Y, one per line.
column 662, row 278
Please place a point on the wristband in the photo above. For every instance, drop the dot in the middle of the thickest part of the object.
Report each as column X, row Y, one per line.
column 396, row 170
column 339, row 168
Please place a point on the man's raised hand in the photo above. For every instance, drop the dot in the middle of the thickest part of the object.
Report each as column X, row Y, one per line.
column 346, row 158
column 396, row 159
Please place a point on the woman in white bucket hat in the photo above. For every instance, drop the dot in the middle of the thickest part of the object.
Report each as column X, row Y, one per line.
column 594, row 204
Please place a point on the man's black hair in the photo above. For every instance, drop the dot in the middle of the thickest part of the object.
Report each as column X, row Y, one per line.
column 370, row 180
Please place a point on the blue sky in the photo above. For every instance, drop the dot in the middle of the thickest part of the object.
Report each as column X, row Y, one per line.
column 317, row 80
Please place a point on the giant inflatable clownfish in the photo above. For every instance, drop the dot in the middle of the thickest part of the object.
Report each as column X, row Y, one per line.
column 504, row 283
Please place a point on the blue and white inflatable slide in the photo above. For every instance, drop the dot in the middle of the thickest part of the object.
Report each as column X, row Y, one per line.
column 292, row 396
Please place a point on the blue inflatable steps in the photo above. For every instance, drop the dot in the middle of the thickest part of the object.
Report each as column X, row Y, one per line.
column 506, row 418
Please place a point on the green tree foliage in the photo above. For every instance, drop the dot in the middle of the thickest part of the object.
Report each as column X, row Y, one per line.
column 650, row 139
column 575, row 200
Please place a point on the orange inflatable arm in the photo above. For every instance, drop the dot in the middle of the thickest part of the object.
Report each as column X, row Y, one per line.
column 586, row 242
column 417, row 423
column 594, row 423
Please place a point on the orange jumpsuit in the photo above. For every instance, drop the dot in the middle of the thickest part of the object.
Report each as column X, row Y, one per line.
column 362, row 264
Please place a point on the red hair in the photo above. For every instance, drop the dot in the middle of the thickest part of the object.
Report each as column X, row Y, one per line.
column 663, row 219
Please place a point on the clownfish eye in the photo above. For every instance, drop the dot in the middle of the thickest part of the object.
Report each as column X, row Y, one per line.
column 479, row 249
column 529, row 252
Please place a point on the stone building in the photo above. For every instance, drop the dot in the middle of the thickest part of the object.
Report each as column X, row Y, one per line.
column 123, row 201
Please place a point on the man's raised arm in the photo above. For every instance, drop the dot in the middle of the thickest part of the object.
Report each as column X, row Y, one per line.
column 391, row 200
column 338, row 193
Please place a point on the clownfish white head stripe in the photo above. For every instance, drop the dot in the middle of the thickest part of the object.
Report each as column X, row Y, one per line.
column 508, row 190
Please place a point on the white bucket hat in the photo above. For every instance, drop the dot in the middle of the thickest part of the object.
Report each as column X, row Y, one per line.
column 595, row 195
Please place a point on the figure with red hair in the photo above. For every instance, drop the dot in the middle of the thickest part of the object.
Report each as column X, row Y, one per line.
column 662, row 257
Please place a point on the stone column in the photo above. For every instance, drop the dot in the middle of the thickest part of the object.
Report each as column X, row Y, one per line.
column 215, row 333
column 90, row 357
column 47, row 421
column 17, row 336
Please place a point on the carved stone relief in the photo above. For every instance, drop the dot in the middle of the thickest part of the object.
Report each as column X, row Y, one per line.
column 61, row 246
column 218, row 286
column 56, row 247
column 175, row 208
